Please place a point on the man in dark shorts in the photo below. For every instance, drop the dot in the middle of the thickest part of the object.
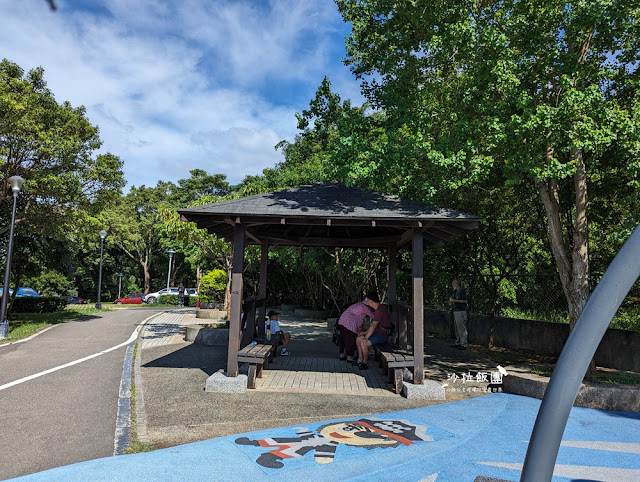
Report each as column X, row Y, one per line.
column 459, row 303
column 377, row 333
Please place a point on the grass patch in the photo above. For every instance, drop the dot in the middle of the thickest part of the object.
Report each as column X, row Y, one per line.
column 223, row 325
column 554, row 316
column 617, row 378
column 601, row 376
column 543, row 371
column 135, row 446
column 23, row 325
column 627, row 318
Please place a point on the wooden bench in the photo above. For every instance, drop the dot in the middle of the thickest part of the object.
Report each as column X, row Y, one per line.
column 393, row 359
column 257, row 357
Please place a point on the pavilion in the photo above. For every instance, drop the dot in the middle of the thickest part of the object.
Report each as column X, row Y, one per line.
column 329, row 214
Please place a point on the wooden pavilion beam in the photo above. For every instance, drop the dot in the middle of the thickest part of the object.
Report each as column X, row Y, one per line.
column 435, row 232
column 236, row 300
column 209, row 223
column 373, row 243
column 418, row 307
column 297, row 221
column 393, row 298
column 262, row 288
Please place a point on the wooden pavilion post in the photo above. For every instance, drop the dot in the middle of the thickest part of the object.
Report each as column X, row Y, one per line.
column 236, row 300
column 393, row 297
column 418, row 306
column 262, row 289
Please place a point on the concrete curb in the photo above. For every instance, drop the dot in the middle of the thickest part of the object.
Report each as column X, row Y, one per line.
column 602, row 396
column 123, row 419
column 141, row 415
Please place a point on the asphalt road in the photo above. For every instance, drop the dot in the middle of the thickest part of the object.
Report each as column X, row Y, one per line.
column 68, row 415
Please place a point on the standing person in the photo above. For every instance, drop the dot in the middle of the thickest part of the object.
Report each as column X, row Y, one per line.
column 273, row 325
column 459, row 304
column 349, row 323
column 377, row 333
column 181, row 291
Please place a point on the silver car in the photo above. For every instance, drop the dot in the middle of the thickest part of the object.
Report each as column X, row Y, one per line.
column 153, row 297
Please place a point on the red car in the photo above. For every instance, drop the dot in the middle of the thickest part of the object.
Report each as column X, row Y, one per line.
column 132, row 299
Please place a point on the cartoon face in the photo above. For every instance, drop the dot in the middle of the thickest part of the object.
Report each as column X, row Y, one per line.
column 357, row 434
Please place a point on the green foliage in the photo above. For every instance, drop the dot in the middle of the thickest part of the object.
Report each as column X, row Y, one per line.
column 51, row 283
column 212, row 286
column 173, row 300
column 627, row 318
column 198, row 185
column 43, row 304
column 50, row 146
column 546, row 315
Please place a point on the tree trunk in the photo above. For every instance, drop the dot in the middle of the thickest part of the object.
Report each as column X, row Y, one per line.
column 574, row 275
column 580, row 289
column 147, row 277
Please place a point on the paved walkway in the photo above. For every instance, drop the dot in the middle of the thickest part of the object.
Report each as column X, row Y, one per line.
column 326, row 375
column 314, row 366
column 168, row 328
column 316, row 373
column 480, row 437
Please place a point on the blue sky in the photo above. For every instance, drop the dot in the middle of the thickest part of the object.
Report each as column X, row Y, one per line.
column 181, row 84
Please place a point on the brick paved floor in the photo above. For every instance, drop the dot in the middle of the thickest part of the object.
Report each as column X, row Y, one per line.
column 322, row 372
column 326, row 375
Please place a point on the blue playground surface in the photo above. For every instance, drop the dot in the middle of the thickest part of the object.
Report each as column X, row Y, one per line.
column 483, row 436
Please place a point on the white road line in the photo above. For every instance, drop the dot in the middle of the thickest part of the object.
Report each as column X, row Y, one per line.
column 75, row 362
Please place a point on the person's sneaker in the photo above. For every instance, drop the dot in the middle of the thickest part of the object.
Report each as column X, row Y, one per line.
column 462, row 347
column 363, row 366
column 355, row 363
column 285, row 352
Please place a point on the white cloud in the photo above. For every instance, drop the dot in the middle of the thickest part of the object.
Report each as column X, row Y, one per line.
column 181, row 85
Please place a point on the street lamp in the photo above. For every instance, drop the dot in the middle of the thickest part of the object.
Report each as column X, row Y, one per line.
column 171, row 252
column 120, row 276
column 16, row 183
column 103, row 234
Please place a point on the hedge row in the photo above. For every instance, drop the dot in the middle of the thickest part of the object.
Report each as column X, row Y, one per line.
column 43, row 304
column 173, row 300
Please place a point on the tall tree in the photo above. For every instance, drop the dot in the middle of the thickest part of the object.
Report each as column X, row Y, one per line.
column 520, row 91
column 134, row 226
column 51, row 146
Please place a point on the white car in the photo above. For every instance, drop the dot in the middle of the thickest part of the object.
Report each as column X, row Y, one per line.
column 153, row 297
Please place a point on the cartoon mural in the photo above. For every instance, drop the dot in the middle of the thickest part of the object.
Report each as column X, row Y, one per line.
column 370, row 433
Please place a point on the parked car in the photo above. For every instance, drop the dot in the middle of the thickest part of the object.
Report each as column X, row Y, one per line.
column 132, row 299
column 23, row 292
column 153, row 297
column 192, row 291
column 26, row 292
column 74, row 300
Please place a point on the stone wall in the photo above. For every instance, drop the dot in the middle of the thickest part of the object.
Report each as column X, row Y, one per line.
column 619, row 349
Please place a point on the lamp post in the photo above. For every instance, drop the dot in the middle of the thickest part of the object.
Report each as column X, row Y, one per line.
column 103, row 234
column 171, row 252
column 16, row 183
column 120, row 276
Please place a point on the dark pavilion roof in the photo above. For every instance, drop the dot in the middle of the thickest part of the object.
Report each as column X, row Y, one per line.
column 330, row 214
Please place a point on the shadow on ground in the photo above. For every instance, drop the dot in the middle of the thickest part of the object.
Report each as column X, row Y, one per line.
column 209, row 359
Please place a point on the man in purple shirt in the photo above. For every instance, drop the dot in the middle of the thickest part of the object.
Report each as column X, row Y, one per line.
column 377, row 333
column 349, row 323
